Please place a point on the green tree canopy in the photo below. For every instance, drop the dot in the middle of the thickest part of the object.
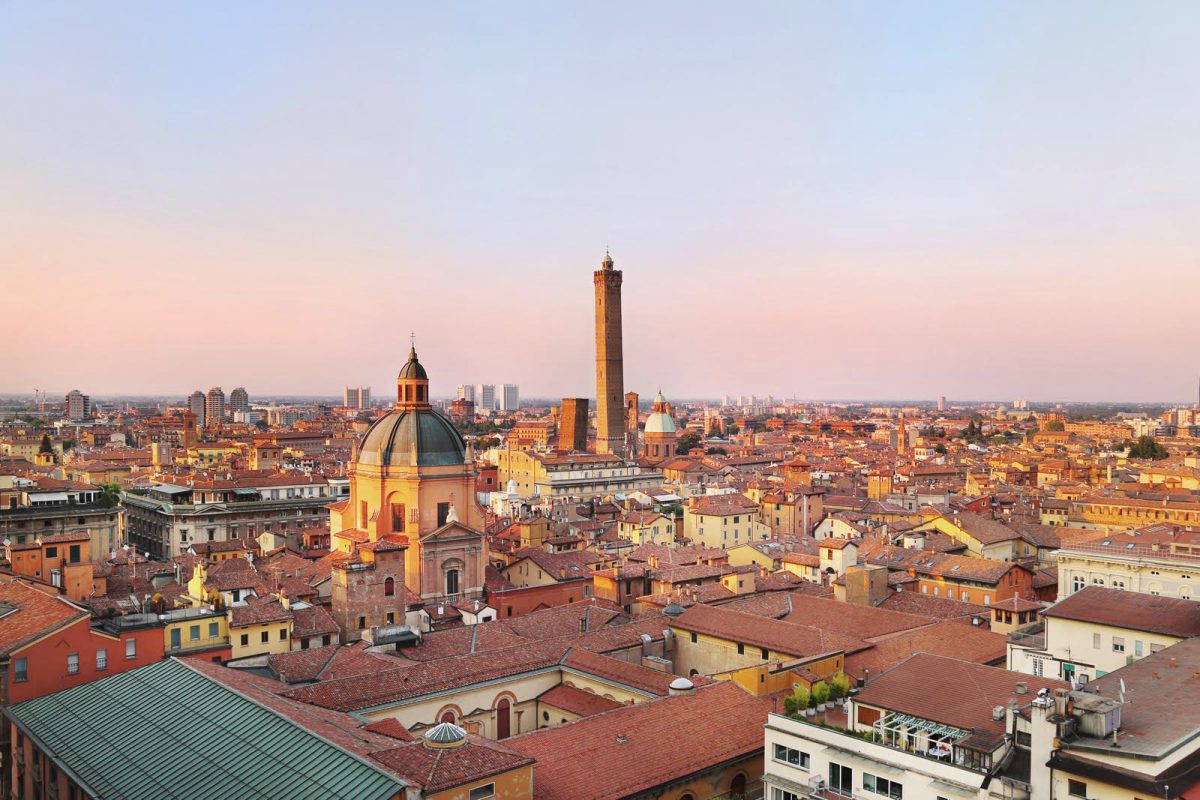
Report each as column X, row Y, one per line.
column 1146, row 447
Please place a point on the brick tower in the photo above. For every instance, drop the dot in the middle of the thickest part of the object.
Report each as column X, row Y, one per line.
column 610, row 368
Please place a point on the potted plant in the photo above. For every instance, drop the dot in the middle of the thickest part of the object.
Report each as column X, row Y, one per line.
column 820, row 693
column 797, row 702
column 839, row 689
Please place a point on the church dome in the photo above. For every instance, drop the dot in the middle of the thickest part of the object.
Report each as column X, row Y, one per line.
column 412, row 434
column 659, row 420
column 412, row 437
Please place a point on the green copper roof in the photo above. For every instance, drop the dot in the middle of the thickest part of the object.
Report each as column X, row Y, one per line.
column 168, row 731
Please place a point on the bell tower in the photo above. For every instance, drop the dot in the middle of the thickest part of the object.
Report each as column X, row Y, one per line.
column 610, row 361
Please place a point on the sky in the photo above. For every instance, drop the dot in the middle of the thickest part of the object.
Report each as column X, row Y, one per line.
column 881, row 200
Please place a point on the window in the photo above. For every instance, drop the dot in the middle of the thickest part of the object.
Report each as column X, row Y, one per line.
column 741, row 649
column 1077, row 583
column 245, row 640
column 75, row 556
column 1037, row 667
column 485, row 792
column 1076, row 788
column 362, row 623
column 784, row 794
column 101, row 659
column 265, row 636
column 693, row 637
column 51, row 552
column 1118, row 644
column 194, row 633
column 765, row 654
column 389, row 587
column 883, row 786
column 130, row 648
column 214, row 630
column 20, row 670
column 1095, row 641
column 790, row 755
column 398, row 517
column 72, row 663
column 987, row 599
column 443, row 512
column 283, row 634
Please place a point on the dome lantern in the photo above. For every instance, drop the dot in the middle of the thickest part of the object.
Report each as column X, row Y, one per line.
column 412, row 384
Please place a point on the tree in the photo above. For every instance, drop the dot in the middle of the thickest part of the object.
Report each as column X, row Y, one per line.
column 110, row 493
column 46, row 446
column 940, row 449
column 1146, row 447
column 820, row 692
column 1055, row 425
column 686, row 441
column 68, row 444
column 716, row 451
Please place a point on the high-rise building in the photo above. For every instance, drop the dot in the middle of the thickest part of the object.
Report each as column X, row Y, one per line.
column 510, row 397
column 573, row 424
column 357, row 397
column 465, row 391
column 196, row 406
column 941, row 402
column 77, row 405
column 485, row 397
column 610, row 361
column 239, row 400
column 214, row 407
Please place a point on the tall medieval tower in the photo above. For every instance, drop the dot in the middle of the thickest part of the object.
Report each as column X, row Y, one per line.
column 610, row 368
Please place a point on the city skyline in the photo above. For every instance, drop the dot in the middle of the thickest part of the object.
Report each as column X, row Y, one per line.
column 813, row 201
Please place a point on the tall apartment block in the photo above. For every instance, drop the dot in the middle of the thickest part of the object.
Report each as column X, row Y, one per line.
column 357, row 397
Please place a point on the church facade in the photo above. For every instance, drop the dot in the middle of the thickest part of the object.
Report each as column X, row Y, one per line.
column 410, row 534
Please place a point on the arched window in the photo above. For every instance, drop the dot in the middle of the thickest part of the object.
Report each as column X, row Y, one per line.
column 737, row 787
column 503, row 719
column 451, row 581
column 447, row 717
column 389, row 587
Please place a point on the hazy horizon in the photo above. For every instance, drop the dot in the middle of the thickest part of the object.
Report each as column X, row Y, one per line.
column 853, row 200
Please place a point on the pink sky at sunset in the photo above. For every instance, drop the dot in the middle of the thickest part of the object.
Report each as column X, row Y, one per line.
column 830, row 202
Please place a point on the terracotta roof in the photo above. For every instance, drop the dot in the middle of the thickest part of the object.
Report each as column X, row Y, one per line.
column 33, row 614
column 257, row 611
column 951, row 691
column 634, row 676
column 312, row 621
column 647, row 741
column 1098, row 605
column 437, row 769
column 782, row 637
column 863, row 622
column 947, row 638
column 577, row 701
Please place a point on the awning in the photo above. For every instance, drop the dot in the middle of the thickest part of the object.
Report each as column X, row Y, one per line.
column 48, row 497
